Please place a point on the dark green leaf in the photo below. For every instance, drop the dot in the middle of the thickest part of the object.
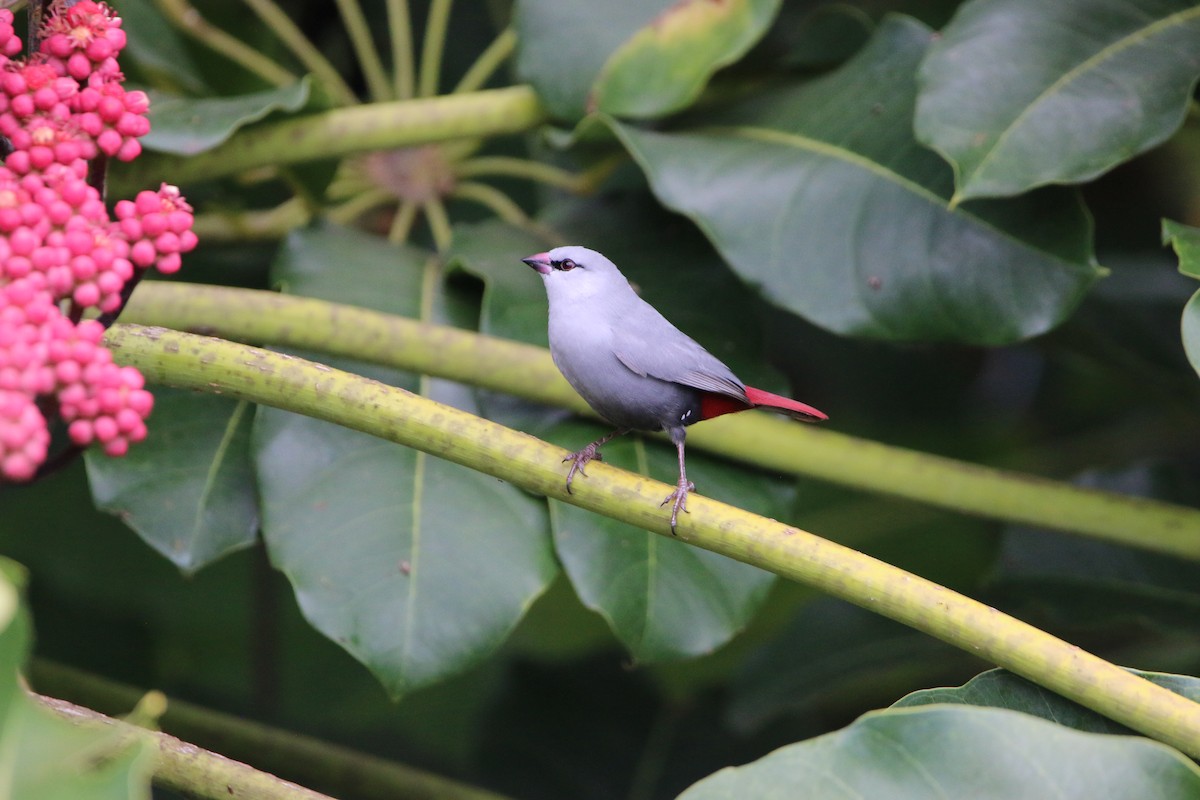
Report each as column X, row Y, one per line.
column 563, row 45
column 666, row 64
column 45, row 756
column 663, row 598
column 1021, row 93
column 157, row 47
column 955, row 751
column 1186, row 241
column 418, row 567
column 998, row 688
column 834, row 650
column 186, row 126
column 188, row 489
column 818, row 194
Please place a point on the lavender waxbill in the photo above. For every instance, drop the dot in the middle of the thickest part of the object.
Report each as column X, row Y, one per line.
column 634, row 368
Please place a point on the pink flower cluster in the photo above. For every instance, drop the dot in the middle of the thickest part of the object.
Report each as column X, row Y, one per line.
column 60, row 251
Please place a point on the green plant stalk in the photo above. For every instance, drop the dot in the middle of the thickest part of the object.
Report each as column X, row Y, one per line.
column 519, row 168
column 304, row 50
column 765, row 441
column 436, row 25
column 400, row 28
column 247, row 373
column 488, row 62
column 355, row 129
column 364, row 48
column 188, row 769
column 187, row 18
column 301, row 758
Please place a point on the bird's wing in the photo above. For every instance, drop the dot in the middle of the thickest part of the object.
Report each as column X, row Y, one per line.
column 650, row 345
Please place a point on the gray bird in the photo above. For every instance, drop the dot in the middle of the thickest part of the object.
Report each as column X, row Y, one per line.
column 632, row 366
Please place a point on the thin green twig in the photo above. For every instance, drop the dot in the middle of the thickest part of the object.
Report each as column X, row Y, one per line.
column 185, row 17
column 304, row 50
column 431, row 50
column 364, row 49
column 439, row 224
column 488, row 62
column 402, row 223
column 513, row 167
column 400, row 27
column 495, row 200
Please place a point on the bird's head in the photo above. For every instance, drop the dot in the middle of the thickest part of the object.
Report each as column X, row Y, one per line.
column 576, row 272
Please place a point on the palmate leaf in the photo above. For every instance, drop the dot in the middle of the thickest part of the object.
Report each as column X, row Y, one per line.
column 818, row 194
column 189, row 125
column 1021, row 93
column 418, row 567
column 959, row 751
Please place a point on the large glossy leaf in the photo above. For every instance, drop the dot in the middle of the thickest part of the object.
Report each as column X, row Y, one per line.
column 666, row 64
column 188, row 489
column 418, row 567
column 1021, row 93
column 1186, row 241
column 818, row 194
column 631, row 57
column 157, row 47
column 662, row 598
column 998, row 688
column 45, row 756
column 190, row 125
column 563, row 45
column 957, row 751
column 833, row 649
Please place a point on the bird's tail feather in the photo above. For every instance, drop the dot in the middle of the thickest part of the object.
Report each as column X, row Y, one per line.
column 785, row 404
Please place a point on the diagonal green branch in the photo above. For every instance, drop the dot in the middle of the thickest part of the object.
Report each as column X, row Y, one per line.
column 759, row 439
column 215, row 365
column 354, row 129
column 300, row 758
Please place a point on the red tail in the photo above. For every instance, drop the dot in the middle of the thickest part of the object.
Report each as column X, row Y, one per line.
column 785, row 404
column 714, row 405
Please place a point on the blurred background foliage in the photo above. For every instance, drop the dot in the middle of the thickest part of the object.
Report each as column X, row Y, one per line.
column 1057, row 354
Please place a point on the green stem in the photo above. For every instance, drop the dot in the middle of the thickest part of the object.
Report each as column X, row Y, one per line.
column 342, row 131
column 186, row 768
column 310, row 761
column 400, row 26
column 402, row 223
column 274, row 223
column 760, row 439
column 488, row 62
column 436, row 26
column 185, row 17
column 295, row 40
column 364, row 48
column 512, row 167
column 492, row 198
column 439, row 224
column 261, row 376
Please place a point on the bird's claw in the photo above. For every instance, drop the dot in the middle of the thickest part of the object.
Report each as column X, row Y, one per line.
column 579, row 460
column 679, row 496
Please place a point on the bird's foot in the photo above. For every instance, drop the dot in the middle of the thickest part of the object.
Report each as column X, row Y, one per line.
column 580, row 459
column 679, row 498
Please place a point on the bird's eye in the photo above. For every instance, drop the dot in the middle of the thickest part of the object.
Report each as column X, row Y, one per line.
column 566, row 265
